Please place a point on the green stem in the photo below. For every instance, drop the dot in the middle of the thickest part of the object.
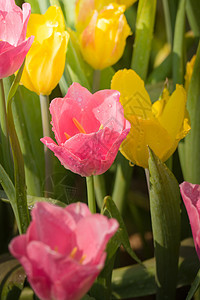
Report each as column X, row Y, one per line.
column 44, row 104
column 91, row 194
column 100, row 189
column 5, row 144
column 99, row 180
column 96, row 80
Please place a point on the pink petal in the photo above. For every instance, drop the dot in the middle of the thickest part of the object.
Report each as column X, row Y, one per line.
column 8, row 5
column 12, row 59
column 191, row 198
column 85, row 154
column 99, row 230
column 53, row 224
column 91, row 111
column 18, row 246
column 78, row 211
column 26, row 10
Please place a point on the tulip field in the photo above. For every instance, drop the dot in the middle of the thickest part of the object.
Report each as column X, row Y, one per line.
column 99, row 149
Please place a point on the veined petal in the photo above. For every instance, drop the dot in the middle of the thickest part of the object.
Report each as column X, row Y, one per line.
column 173, row 114
column 133, row 95
column 145, row 133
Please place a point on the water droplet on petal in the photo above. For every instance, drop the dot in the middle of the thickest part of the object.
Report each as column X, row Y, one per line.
column 131, row 164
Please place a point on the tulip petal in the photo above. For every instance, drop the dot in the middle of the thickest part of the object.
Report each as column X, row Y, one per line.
column 48, row 56
column 101, row 227
column 145, row 133
column 191, row 198
column 54, row 274
column 133, row 95
column 101, row 108
column 78, row 211
column 13, row 57
column 49, row 219
column 173, row 113
column 85, row 154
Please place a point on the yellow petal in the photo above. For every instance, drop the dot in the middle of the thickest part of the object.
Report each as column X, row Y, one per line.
column 45, row 64
column 133, row 95
column 145, row 133
column 43, row 26
column 102, row 42
column 173, row 114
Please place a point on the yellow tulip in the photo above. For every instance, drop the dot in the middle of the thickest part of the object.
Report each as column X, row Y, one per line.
column 189, row 70
column 84, row 9
column 102, row 42
column 45, row 60
column 159, row 126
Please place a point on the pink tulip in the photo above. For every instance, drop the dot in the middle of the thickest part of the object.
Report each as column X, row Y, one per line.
column 88, row 129
column 63, row 250
column 191, row 198
column 13, row 43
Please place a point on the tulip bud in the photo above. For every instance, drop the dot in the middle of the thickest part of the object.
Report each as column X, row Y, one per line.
column 102, row 42
column 46, row 59
column 83, row 15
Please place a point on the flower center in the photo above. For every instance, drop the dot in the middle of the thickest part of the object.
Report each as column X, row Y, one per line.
column 78, row 126
column 73, row 253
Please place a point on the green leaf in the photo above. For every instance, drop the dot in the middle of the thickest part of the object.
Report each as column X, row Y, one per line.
column 26, row 109
column 87, row 297
column 193, row 14
column 12, row 278
column 31, row 200
column 20, row 182
column 170, row 9
column 69, row 11
column 139, row 280
column 194, row 287
column 76, row 69
column 178, row 46
column 143, row 37
column 162, row 71
column 110, row 209
column 189, row 149
column 165, row 215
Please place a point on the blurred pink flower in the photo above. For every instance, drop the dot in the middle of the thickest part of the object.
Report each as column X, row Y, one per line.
column 13, row 43
column 88, row 129
column 191, row 198
column 63, row 250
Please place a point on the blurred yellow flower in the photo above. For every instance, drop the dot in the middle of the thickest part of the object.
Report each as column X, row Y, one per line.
column 45, row 60
column 102, row 42
column 159, row 126
column 189, row 71
column 84, row 9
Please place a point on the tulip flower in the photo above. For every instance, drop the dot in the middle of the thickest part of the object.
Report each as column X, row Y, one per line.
column 46, row 60
column 102, row 42
column 191, row 198
column 159, row 126
column 13, row 43
column 55, row 254
column 88, row 129
column 83, row 15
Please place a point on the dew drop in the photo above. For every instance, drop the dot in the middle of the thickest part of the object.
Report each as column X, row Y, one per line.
column 131, row 164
